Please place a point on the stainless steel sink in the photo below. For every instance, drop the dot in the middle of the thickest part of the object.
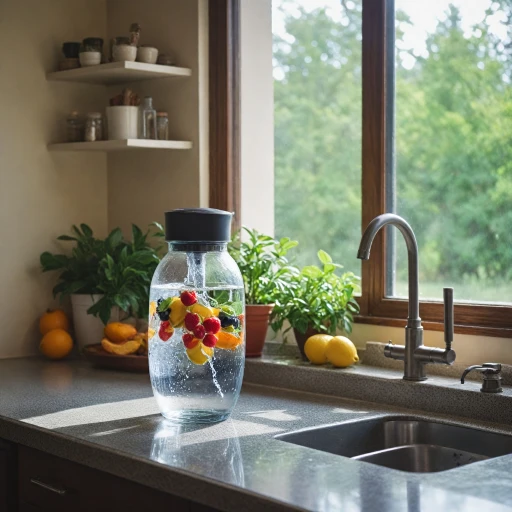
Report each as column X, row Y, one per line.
column 405, row 443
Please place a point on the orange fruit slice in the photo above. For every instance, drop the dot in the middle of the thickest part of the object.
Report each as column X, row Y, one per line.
column 119, row 332
column 228, row 340
column 121, row 349
column 200, row 354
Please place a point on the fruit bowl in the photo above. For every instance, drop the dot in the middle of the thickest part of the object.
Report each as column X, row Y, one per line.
column 102, row 359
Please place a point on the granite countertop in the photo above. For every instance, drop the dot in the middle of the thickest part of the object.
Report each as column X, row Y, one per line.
column 109, row 421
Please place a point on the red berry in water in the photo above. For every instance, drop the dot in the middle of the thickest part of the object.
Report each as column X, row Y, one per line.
column 191, row 321
column 199, row 332
column 189, row 341
column 188, row 298
column 212, row 325
column 210, row 340
column 166, row 331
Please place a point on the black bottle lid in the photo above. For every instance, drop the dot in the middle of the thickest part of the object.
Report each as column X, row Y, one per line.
column 199, row 225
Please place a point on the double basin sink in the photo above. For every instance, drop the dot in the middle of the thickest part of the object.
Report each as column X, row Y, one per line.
column 405, row 443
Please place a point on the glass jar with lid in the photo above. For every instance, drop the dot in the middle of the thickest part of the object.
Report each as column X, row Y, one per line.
column 94, row 129
column 162, row 125
column 74, row 127
column 196, row 319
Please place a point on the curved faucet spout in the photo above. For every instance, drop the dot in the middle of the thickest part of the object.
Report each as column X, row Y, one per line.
column 363, row 253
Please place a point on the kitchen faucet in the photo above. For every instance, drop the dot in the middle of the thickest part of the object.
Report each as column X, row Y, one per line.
column 414, row 354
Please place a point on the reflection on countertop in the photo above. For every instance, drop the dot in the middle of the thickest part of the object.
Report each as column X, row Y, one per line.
column 109, row 421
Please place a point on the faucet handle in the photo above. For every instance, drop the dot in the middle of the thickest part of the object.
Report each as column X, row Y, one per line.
column 448, row 317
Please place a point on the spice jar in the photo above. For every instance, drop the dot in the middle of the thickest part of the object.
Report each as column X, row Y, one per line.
column 162, row 126
column 74, row 127
column 93, row 127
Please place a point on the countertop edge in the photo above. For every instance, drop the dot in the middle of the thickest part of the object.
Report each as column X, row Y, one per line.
column 156, row 476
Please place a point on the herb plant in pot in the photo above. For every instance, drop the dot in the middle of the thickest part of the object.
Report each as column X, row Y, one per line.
column 317, row 301
column 266, row 272
column 107, row 280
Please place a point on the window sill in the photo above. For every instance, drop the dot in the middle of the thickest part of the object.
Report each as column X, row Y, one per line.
column 435, row 326
column 438, row 394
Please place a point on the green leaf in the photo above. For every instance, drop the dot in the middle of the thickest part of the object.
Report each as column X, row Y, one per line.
column 52, row 261
column 86, row 230
column 324, row 257
column 114, row 238
column 165, row 304
column 66, row 238
column 311, row 271
column 237, row 307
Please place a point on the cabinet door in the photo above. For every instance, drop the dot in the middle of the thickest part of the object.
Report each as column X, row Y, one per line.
column 8, row 476
column 51, row 484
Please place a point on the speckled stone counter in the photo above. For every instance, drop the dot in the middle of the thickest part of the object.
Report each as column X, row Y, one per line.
column 109, row 421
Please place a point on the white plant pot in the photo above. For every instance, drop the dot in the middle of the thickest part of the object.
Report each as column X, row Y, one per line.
column 88, row 328
column 122, row 122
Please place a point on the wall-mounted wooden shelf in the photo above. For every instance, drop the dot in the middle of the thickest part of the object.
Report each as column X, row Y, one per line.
column 120, row 145
column 118, row 72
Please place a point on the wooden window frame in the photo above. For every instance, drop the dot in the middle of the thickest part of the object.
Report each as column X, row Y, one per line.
column 376, row 308
column 224, row 106
column 225, row 174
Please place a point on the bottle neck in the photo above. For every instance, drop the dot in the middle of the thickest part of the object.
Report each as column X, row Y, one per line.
column 197, row 246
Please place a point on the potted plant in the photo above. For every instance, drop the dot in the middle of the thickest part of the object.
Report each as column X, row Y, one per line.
column 106, row 279
column 266, row 272
column 317, row 300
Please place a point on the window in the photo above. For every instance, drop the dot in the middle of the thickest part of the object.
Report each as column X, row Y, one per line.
column 453, row 137
column 317, row 126
column 432, row 183
column 434, row 127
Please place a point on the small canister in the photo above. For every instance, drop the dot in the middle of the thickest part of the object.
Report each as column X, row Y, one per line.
column 94, row 127
column 74, row 127
column 162, row 125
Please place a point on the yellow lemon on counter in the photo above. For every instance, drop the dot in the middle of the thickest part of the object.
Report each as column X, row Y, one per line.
column 315, row 348
column 341, row 352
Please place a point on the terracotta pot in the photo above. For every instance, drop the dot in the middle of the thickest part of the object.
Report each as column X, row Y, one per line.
column 302, row 338
column 256, row 325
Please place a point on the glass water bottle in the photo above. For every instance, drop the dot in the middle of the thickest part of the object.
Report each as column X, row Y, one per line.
column 196, row 319
column 147, row 119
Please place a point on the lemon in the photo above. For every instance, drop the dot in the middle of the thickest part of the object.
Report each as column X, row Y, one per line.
column 200, row 354
column 315, row 348
column 341, row 352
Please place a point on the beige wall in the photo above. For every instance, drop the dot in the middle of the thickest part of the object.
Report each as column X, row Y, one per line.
column 470, row 349
column 142, row 185
column 257, row 115
column 41, row 193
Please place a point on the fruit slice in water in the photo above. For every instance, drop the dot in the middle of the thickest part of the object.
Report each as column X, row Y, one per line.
column 200, row 354
column 178, row 312
column 228, row 341
column 203, row 311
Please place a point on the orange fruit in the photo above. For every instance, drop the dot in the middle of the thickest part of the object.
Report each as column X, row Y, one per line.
column 56, row 344
column 53, row 319
column 227, row 340
column 119, row 332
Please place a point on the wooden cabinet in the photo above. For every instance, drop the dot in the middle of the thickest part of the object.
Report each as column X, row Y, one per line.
column 51, row 484
column 8, row 477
